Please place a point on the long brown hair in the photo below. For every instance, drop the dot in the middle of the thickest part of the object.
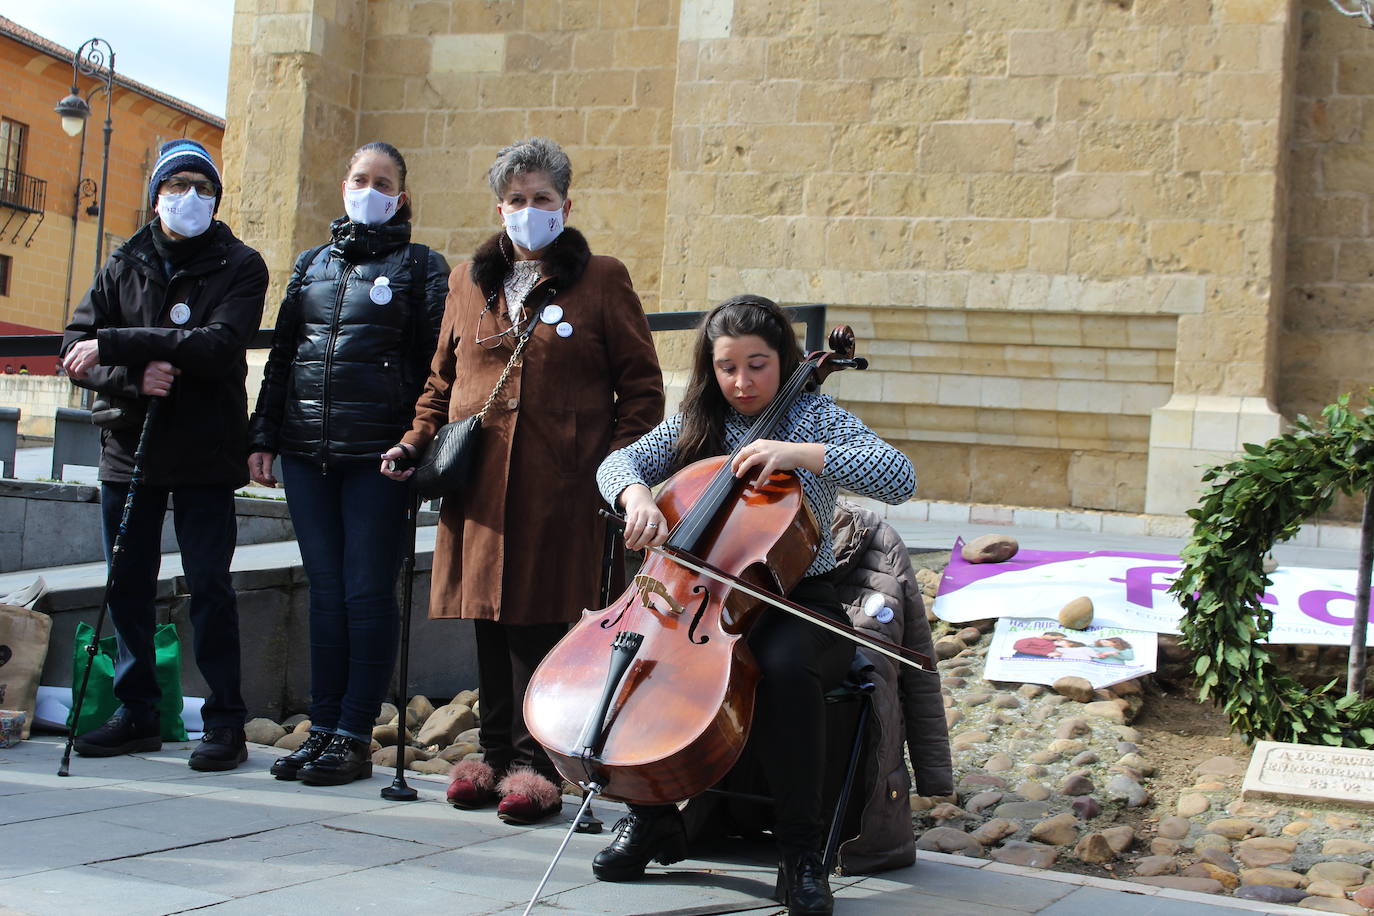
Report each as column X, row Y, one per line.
column 704, row 407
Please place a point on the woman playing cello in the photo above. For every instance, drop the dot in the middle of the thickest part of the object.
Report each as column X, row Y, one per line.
column 745, row 349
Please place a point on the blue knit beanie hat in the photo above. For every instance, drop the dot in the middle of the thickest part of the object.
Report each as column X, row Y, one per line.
column 183, row 156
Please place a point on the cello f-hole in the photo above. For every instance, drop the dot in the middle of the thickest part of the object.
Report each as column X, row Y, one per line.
column 696, row 618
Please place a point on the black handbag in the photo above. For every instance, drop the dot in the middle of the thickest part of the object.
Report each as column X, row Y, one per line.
column 447, row 463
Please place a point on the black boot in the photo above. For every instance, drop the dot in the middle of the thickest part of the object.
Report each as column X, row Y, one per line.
column 122, row 733
column 222, row 748
column 313, row 746
column 643, row 835
column 343, row 760
column 804, row 885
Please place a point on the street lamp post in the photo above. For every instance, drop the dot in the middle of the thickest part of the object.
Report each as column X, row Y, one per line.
column 89, row 60
column 1362, row 10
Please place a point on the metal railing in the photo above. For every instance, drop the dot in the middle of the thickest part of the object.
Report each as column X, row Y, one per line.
column 76, row 441
column 22, row 192
column 813, row 316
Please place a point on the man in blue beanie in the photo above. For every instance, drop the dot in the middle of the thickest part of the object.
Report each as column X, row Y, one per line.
column 170, row 316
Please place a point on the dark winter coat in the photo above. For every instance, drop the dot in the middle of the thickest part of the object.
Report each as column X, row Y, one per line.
column 908, row 710
column 523, row 545
column 201, row 437
column 341, row 381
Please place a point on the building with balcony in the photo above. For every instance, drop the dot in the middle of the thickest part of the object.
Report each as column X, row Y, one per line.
column 47, row 212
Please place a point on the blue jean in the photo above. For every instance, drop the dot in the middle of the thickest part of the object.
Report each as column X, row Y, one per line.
column 350, row 525
column 206, row 531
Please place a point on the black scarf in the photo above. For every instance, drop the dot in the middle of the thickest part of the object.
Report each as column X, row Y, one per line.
column 358, row 242
column 176, row 253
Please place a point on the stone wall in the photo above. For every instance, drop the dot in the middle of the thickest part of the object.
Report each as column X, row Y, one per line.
column 1065, row 211
column 273, row 609
column 38, row 397
column 449, row 83
column 1329, row 306
column 58, row 524
column 1081, row 242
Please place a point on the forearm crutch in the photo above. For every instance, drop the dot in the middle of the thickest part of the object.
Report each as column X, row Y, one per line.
column 135, row 480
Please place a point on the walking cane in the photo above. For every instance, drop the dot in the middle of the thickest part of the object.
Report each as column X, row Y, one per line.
column 135, row 479
column 399, row 790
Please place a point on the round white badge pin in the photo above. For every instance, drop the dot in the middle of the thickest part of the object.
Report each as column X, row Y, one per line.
column 873, row 604
column 552, row 314
column 564, row 329
column 181, row 313
column 381, row 291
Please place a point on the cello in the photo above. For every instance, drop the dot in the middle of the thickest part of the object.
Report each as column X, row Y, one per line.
column 650, row 700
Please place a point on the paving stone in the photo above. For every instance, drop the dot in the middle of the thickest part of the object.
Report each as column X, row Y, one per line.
column 1179, row 882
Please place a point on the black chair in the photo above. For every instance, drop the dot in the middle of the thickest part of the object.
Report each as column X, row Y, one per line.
column 848, row 711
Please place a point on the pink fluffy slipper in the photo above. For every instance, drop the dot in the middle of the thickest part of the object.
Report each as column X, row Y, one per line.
column 471, row 784
column 527, row 797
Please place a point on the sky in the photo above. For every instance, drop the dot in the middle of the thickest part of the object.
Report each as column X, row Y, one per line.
column 151, row 40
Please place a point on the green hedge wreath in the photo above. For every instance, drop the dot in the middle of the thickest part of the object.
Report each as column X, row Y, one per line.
column 1255, row 502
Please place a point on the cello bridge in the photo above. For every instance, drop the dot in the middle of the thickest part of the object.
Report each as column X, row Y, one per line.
column 645, row 586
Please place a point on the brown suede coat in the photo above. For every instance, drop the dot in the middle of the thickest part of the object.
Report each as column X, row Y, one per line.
column 524, row 544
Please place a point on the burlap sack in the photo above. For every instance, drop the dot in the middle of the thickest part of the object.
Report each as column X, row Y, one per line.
column 23, row 646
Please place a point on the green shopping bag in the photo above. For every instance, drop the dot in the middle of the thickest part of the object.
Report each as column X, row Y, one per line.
column 100, row 702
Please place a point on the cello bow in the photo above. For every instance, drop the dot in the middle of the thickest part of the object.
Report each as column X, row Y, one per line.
column 909, row 657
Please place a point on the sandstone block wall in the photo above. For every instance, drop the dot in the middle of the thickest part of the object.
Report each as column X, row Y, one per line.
column 38, row 397
column 1080, row 242
column 1044, row 218
column 449, row 83
column 1328, row 309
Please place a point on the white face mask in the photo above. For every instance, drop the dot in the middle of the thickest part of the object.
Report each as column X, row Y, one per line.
column 534, row 229
column 369, row 206
column 188, row 215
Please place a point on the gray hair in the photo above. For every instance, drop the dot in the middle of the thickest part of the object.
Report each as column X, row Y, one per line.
column 536, row 154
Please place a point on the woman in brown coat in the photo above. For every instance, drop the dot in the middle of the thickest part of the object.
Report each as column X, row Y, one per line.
column 519, row 552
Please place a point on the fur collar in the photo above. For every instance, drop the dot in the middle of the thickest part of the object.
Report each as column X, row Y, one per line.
column 564, row 262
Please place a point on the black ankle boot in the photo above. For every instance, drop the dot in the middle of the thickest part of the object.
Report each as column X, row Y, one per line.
column 804, row 885
column 343, row 760
column 122, row 733
column 313, row 746
column 642, row 836
column 222, row 748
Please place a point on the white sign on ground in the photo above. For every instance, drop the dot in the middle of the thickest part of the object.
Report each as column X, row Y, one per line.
column 1310, row 771
column 1040, row 651
column 1310, row 606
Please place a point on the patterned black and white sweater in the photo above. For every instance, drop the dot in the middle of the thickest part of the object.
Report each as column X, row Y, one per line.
column 856, row 459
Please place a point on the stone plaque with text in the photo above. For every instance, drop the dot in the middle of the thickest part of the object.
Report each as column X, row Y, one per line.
column 1311, row 772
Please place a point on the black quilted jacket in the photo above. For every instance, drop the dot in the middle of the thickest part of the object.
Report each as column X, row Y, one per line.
column 345, row 369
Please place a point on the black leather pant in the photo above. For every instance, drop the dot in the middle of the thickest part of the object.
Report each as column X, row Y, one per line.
column 798, row 662
column 506, row 658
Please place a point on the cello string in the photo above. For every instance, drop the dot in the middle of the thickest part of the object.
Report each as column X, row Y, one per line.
column 849, row 633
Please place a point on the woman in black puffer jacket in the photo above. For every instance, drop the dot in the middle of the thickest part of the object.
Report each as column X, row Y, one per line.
column 354, row 338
